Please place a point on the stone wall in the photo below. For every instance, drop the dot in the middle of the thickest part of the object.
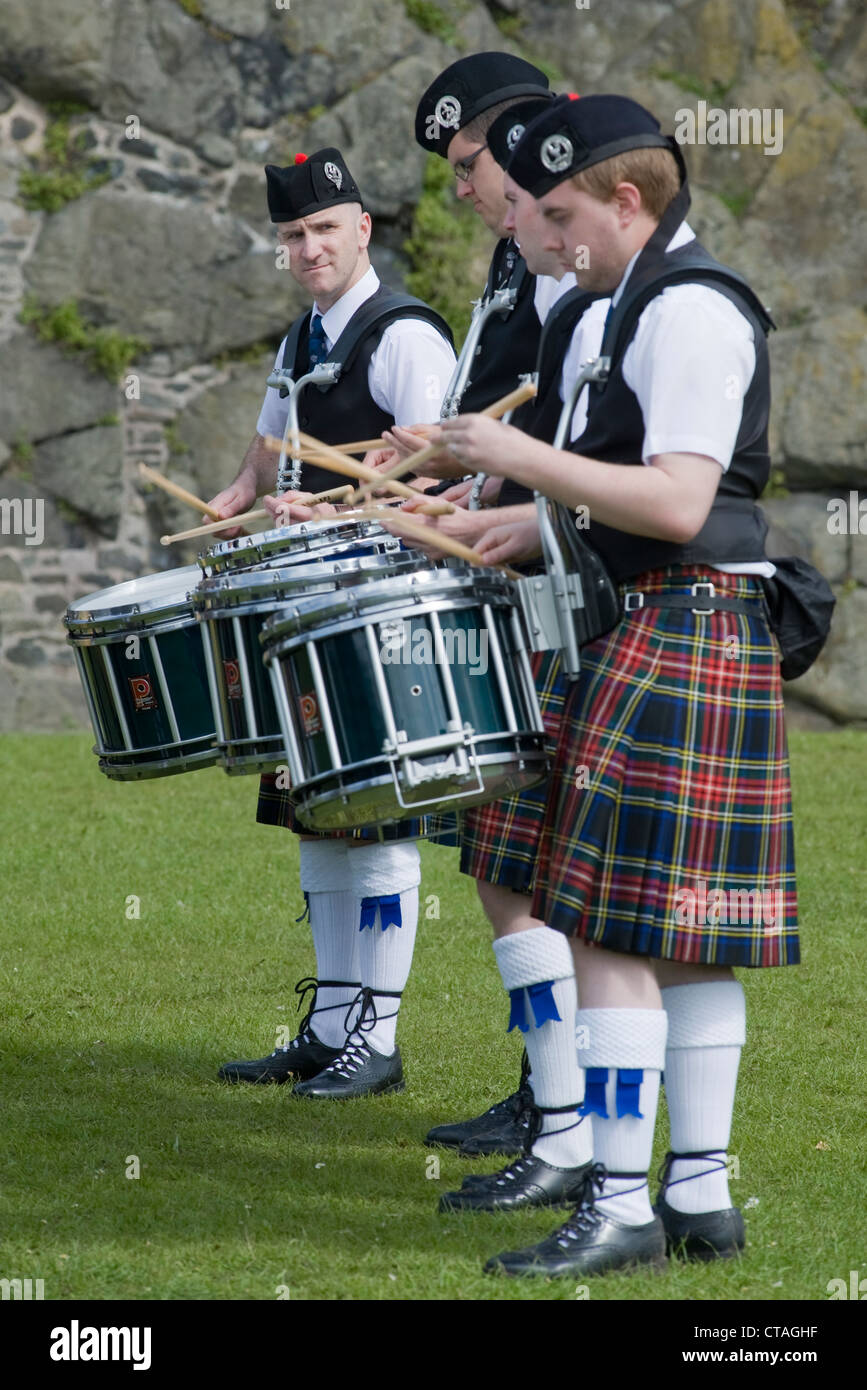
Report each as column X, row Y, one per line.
column 132, row 139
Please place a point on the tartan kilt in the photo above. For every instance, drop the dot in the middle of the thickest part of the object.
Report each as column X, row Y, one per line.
column 669, row 827
column 500, row 840
column 275, row 808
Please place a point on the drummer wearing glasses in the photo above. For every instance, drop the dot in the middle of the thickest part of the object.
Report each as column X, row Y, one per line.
column 362, row 895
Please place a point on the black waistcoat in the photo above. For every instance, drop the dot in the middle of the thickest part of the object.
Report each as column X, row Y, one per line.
column 509, row 342
column 735, row 528
column 541, row 416
column 347, row 410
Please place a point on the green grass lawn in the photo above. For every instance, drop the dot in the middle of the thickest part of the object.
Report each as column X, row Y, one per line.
column 113, row 1028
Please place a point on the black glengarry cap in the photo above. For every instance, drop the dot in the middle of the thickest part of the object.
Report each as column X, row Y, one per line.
column 575, row 133
column 467, row 88
column 313, row 182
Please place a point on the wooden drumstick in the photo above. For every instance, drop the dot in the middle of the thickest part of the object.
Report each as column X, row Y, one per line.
column 339, row 494
column 214, row 526
column 414, row 462
column 152, row 476
column 363, row 446
column 351, row 468
column 402, row 521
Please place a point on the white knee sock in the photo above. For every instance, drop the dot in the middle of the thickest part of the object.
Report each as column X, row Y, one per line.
column 542, row 957
column 623, row 1059
column 385, row 930
column 706, row 1031
column 326, row 880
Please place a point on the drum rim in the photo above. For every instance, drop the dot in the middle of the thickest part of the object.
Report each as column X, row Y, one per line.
column 235, row 554
column 247, row 585
column 275, row 632
column 78, row 617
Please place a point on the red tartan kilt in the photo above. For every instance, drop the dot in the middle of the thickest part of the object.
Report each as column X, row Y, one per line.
column 668, row 830
column 500, row 840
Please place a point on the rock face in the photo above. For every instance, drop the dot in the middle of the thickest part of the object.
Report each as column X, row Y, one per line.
column 169, row 109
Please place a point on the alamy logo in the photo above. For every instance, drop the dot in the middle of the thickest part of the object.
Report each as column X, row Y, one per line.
column 77, row 1343
column 718, row 907
column 400, row 646
column 22, row 1289
column 23, row 517
column 739, row 125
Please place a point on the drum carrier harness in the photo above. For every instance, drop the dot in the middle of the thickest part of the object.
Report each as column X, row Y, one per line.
column 347, row 361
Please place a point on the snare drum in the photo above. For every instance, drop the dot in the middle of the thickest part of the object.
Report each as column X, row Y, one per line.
column 141, row 660
column 405, row 694
column 232, row 609
column 297, row 545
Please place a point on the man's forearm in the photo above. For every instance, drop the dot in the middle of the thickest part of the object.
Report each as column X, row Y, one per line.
column 259, row 468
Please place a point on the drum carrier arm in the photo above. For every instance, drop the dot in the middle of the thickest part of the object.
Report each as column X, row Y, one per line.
column 548, row 600
column 324, row 374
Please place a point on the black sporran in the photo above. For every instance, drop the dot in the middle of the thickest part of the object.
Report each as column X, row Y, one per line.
column 800, row 603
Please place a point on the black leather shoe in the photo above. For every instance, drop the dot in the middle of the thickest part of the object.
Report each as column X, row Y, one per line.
column 501, row 1130
column 528, row 1182
column 703, row 1235
column 357, row 1071
column 588, row 1243
column 305, row 1055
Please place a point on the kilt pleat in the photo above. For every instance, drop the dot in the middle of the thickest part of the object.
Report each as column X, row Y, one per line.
column 668, row 830
column 500, row 840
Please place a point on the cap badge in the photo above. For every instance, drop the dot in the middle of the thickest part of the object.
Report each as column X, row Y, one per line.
column 514, row 135
column 334, row 175
column 556, row 153
column 448, row 112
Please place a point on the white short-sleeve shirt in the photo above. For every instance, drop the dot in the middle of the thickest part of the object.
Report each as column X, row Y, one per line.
column 408, row 372
column 689, row 364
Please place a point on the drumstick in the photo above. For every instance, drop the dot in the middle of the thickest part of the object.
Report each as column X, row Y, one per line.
column 152, row 476
column 351, row 468
column 363, row 446
column 214, row 526
column 418, row 531
column 413, row 463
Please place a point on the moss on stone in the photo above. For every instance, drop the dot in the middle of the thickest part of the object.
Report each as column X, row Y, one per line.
column 432, row 19
column 175, row 444
column 62, row 172
column 737, row 203
column 712, row 92
column 440, row 248
column 106, row 350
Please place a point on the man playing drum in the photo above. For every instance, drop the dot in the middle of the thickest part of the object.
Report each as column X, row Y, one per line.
column 469, row 115
column 671, row 791
column 362, row 894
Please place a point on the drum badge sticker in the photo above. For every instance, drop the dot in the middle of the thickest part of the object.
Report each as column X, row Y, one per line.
column 233, row 680
column 310, row 714
column 556, row 153
column 448, row 112
column 142, row 693
column 334, row 175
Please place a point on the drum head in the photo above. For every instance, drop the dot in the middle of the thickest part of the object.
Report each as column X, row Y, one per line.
column 152, row 593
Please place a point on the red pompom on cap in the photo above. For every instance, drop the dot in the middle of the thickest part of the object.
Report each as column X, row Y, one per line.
column 574, row 96
column 300, row 159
